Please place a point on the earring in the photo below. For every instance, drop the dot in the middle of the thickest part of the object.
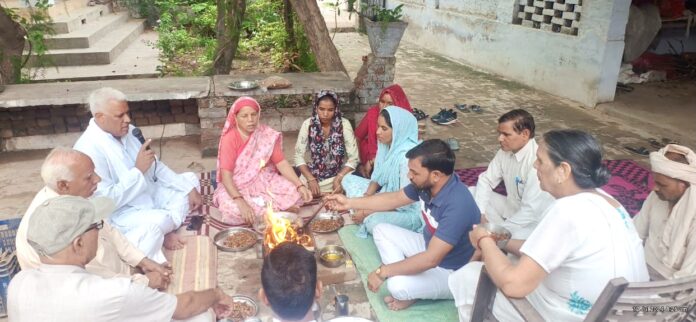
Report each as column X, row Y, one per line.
column 558, row 181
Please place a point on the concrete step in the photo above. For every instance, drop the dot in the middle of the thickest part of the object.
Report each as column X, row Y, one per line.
column 75, row 19
column 139, row 60
column 90, row 34
column 104, row 51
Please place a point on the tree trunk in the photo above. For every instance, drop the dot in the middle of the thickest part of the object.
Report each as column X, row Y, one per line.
column 230, row 14
column 11, row 48
column 290, row 42
column 318, row 35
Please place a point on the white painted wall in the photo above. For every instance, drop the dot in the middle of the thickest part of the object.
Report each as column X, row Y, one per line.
column 478, row 33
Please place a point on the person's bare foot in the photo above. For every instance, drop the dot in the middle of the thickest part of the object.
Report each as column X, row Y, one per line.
column 397, row 305
column 172, row 241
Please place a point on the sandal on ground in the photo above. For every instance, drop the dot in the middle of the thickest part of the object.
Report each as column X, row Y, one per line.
column 462, row 108
column 419, row 114
column 476, row 108
column 453, row 144
column 655, row 143
column 666, row 141
column 637, row 150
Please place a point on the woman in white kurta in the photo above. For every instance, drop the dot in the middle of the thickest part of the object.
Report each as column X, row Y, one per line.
column 585, row 239
column 326, row 150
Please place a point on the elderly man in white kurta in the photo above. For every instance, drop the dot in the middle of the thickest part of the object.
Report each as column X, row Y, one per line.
column 667, row 220
column 521, row 210
column 147, row 193
column 70, row 172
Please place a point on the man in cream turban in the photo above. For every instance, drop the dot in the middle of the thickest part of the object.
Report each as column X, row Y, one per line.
column 666, row 223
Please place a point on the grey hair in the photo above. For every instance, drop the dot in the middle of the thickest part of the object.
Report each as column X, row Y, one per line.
column 57, row 166
column 99, row 98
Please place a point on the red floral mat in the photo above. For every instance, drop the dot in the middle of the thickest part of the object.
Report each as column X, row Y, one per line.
column 630, row 183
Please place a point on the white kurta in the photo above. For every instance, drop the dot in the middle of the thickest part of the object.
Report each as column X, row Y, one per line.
column 146, row 209
column 66, row 293
column 650, row 223
column 582, row 243
column 115, row 254
column 525, row 203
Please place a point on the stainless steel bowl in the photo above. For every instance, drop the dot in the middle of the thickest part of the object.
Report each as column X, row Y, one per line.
column 243, row 85
column 220, row 237
column 327, row 216
column 332, row 256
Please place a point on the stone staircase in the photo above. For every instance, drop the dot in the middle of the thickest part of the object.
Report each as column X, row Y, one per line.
column 93, row 43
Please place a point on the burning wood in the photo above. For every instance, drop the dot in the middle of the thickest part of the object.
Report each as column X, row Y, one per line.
column 280, row 229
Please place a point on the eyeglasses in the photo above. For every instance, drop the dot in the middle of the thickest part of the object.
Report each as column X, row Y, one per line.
column 96, row 225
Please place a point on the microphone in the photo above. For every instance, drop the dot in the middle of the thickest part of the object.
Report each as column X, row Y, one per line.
column 139, row 135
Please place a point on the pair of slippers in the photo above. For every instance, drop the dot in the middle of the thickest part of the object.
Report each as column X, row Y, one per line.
column 419, row 114
column 643, row 151
column 661, row 144
column 469, row 108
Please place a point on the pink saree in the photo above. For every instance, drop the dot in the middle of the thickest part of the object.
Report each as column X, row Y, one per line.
column 256, row 178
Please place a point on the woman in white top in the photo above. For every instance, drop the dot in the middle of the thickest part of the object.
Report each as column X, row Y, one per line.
column 585, row 239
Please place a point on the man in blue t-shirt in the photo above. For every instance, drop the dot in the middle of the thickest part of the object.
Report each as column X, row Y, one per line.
column 417, row 266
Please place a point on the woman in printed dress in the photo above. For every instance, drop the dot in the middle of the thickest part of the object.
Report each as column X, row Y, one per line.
column 326, row 149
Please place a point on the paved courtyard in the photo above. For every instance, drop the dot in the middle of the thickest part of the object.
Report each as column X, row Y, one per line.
column 431, row 82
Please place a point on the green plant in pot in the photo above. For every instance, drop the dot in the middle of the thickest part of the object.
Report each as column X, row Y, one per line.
column 384, row 29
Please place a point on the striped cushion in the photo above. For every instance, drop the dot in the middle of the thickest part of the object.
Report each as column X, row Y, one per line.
column 195, row 265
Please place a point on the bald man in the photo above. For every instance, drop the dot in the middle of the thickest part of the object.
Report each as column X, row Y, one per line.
column 70, row 172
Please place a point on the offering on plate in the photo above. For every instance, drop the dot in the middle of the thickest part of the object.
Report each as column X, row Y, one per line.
column 241, row 310
column 240, row 239
column 321, row 225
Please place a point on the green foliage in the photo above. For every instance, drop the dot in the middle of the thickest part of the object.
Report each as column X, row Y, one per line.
column 186, row 35
column 387, row 15
column 38, row 26
column 265, row 33
column 187, row 38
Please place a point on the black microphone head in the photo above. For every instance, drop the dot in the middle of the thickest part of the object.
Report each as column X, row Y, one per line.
column 138, row 135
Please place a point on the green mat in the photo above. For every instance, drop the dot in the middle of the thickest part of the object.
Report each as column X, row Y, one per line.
column 366, row 259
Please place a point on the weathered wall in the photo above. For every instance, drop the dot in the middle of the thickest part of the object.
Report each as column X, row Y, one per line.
column 582, row 67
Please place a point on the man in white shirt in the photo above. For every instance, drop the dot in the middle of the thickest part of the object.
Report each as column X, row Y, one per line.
column 145, row 190
column 70, row 172
column 64, row 232
column 666, row 222
column 525, row 203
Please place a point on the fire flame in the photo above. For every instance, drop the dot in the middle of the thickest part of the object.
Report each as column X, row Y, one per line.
column 279, row 229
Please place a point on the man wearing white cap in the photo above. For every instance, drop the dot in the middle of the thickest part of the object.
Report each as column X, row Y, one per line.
column 666, row 222
column 64, row 232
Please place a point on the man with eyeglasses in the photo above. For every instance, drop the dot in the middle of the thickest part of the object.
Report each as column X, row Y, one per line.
column 70, row 172
column 521, row 210
column 64, row 232
column 145, row 190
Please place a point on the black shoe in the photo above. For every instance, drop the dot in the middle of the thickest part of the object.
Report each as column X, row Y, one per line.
column 446, row 117
column 438, row 115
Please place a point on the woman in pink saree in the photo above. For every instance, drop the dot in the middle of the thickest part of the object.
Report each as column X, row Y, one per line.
column 252, row 168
